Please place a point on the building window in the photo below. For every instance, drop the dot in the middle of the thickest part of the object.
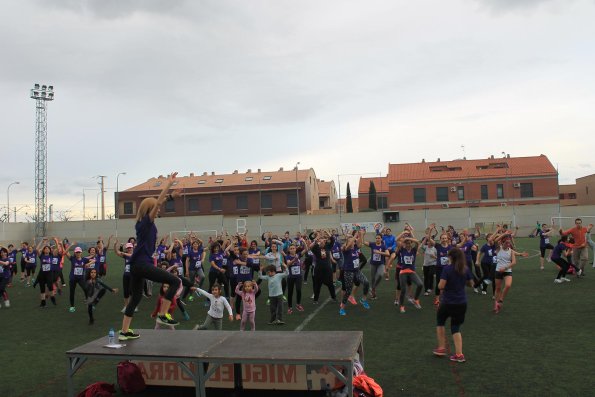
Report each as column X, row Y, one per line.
column 215, row 203
column 193, row 204
column 526, row 190
column 382, row 202
column 266, row 201
column 202, row 182
column 419, row 195
column 219, row 180
column 170, row 206
column 128, row 208
column 562, row 196
column 266, row 178
column 291, row 200
column 572, row 196
column 484, row 192
column 242, row 202
column 248, row 178
column 500, row 191
column 442, row 194
column 460, row 193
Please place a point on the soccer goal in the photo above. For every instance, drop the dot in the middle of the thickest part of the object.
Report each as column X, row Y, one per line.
column 201, row 234
column 566, row 222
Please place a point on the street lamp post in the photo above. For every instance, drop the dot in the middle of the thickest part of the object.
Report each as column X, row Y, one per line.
column 8, row 200
column 297, row 192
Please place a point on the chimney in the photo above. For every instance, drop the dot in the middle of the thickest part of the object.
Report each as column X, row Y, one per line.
column 259, row 170
column 212, row 172
column 423, row 160
column 281, row 169
column 249, row 171
column 192, row 175
column 508, row 156
column 235, row 172
column 205, row 173
column 160, row 177
column 438, row 159
column 492, row 157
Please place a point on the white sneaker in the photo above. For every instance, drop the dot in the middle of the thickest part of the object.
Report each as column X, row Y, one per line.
column 558, row 281
column 7, row 303
column 548, row 259
column 476, row 290
column 565, row 279
column 484, row 293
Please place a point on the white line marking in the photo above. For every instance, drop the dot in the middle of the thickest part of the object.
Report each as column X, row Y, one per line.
column 315, row 312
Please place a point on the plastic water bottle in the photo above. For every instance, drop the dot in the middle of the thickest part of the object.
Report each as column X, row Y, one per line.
column 111, row 337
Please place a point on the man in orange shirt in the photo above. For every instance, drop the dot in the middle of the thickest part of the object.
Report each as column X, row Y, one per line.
column 580, row 252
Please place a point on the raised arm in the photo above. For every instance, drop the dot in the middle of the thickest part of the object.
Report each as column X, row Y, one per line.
column 162, row 196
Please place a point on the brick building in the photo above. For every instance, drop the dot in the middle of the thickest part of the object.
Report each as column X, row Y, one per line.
column 465, row 183
column 381, row 185
column 580, row 193
column 239, row 194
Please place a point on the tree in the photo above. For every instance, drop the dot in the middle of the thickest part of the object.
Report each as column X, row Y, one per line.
column 372, row 202
column 349, row 203
column 64, row 216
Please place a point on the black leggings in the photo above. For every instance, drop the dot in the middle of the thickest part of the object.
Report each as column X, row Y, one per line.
column 141, row 271
column 563, row 267
column 72, row 284
column 291, row 283
column 429, row 272
column 321, row 278
column 307, row 268
column 438, row 274
column 96, row 301
column 45, row 279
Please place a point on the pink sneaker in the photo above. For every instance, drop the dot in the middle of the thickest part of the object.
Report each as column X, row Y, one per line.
column 290, row 311
column 439, row 351
column 459, row 358
column 352, row 300
column 300, row 308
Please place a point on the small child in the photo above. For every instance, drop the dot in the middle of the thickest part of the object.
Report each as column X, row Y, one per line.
column 95, row 291
column 172, row 308
column 215, row 313
column 275, row 292
column 247, row 291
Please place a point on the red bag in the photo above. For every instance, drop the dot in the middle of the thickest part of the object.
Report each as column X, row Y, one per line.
column 130, row 378
column 366, row 386
column 98, row 389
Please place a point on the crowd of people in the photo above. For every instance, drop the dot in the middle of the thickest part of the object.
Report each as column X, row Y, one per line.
column 235, row 268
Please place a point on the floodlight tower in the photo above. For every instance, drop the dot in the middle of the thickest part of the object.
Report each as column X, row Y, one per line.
column 41, row 95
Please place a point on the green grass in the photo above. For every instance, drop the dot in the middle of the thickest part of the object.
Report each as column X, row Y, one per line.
column 541, row 343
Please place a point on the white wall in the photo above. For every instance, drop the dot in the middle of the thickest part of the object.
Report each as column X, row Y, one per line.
column 523, row 216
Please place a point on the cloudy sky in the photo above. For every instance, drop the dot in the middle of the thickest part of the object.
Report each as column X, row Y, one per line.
column 344, row 87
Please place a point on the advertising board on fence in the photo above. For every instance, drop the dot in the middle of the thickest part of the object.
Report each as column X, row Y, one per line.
column 369, row 227
column 254, row 376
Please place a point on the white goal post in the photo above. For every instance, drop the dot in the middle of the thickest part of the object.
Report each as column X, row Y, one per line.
column 566, row 222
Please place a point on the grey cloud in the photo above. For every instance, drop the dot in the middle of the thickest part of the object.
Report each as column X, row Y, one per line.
column 113, row 8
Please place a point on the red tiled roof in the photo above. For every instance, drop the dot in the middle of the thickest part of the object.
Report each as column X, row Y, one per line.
column 471, row 169
column 235, row 179
column 324, row 188
column 380, row 183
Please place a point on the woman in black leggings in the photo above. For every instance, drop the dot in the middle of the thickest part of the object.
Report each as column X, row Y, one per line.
column 142, row 265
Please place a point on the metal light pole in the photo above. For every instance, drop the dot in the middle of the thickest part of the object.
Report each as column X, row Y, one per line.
column 297, row 193
column 41, row 95
column 8, row 201
column 117, row 212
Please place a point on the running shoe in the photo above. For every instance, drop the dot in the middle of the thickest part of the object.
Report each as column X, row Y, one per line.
column 73, row 309
column 475, row 290
column 352, row 300
column 436, row 301
column 127, row 335
column 63, row 284
column 396, row 302
column 342, row 312
column 579, row 273
column 238, row 317
column 417, row 304
column 186, row 316
column 373, row 294
column 268, row 302
column 487, row 281
column 315, row 302
column 402, row 309
column 300, row 308
column 558, row 281
column 284, row 298
column 459, row 358
column 312, row 297
column 280, row 322
column 166, row 319
column 549, row 259
column 272, row 322
column 484, row 292
column 191, row 298
column 439, row 351
column 7, row 303
column 427, row 293
column 364, row 303
column 290, row 311
column 410, row 299
column 565, row 279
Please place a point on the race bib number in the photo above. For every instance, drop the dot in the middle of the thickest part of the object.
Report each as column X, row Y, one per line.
column 31, row 260
column 408, row 260
column 235, row 270
column 55, row 261
column 224, row 262
column 444, row 260
column 198, row 264
column 494, row 260
column 296, row 270
column 256, row 261
column 185, row 251
column 78, row 271
column 244, row 270
column 356, row 263
column 46, row 267
column 376, row 257
column 180, row 271
column 546, row 240
column 102, row 259
column 91, row 265
column 126, row 268
column 336, row 255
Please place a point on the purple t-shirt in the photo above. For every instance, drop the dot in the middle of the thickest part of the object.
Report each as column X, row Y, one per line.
column 351, row 263
column 377, row 259
column 77, row 270
column 295, row 268
column 442, row 255
column 195, row 258
column 454, row 291
column 146, row 237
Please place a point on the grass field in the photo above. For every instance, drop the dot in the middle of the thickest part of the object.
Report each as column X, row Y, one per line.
column 540, row 344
